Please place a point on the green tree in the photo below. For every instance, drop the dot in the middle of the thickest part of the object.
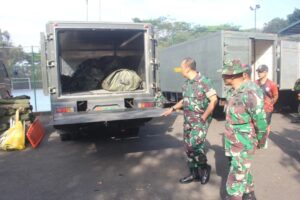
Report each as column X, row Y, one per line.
column 295, row 16
column 277, row 24
column 4, row 38
column 169, row 31
column 274, row 25
column 12, row 55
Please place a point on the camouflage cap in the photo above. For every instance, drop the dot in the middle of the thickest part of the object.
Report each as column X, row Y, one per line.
column 233, row 67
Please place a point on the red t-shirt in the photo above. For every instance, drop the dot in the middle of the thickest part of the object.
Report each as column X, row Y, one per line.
column 270, row 91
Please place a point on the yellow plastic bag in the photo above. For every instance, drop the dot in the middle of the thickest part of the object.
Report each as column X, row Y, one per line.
column 14, row 137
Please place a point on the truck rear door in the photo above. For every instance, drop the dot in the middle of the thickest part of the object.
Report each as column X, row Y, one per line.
column 43, row 64
column 289, row 64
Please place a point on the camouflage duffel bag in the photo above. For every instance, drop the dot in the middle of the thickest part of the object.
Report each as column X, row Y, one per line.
column 122, row 80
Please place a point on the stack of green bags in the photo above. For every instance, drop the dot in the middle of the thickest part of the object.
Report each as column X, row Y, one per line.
column 8, row 109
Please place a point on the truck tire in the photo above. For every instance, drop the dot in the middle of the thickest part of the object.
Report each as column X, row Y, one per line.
column 129, row 132
column 65, row 136
column 67, row 133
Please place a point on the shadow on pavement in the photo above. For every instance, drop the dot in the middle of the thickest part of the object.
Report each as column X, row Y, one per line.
column 221, row 165
column 144, row 167
column 152, row 136
column 288, row 141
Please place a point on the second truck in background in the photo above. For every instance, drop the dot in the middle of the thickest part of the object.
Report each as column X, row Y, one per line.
column 211, row 50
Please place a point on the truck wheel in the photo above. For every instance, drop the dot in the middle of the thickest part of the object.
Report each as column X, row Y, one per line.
column 130, row 132
column 134, row 131
column 65, row 136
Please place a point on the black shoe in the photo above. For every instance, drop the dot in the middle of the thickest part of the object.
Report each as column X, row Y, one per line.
column 249, row 196
column 205, row 173
column 193, row 176
column 227, row 197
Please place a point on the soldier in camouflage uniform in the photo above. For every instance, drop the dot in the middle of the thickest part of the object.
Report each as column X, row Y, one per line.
column 160, row 100
column 198, row 103
column 245, row 129
column 297, row 90
column 251, row 84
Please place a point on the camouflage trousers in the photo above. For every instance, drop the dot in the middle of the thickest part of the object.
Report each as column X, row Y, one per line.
column 240, row 179
column 194, row 137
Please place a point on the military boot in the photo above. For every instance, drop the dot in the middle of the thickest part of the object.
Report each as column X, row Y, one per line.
column 228, row 197
column 249, row 196
column 193, row 176
column 205, row 173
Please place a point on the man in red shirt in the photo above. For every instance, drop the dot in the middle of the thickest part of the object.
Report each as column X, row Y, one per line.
column 270, row 92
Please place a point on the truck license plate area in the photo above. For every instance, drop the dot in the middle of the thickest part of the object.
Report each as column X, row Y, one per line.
column 106, row 107
column 81, row 106
column 128, row 102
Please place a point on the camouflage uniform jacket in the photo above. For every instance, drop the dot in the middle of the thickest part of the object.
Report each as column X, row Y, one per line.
column 160, row 100
column 196, row 93
column 245, row 119
column 297, row 85
column 250, row 86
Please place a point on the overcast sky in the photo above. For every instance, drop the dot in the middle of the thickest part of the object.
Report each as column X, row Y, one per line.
column 25, row 19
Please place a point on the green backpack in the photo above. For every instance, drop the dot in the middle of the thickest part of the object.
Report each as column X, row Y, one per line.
column 122, row 80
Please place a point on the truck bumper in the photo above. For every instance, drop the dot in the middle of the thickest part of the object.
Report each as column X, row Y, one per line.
column 93, row 117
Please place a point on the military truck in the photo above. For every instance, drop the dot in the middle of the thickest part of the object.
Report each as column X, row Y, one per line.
column 76, row 59
column 282, row 55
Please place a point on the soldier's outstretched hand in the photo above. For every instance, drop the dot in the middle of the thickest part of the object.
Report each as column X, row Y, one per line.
column 167, row 112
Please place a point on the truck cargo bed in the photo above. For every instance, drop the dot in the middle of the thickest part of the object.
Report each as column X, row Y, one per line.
column 87, row 57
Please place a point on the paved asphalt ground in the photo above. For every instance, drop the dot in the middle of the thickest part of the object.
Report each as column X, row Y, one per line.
column 144, row 168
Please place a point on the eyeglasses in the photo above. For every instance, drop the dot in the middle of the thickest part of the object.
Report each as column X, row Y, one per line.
column 226, row 76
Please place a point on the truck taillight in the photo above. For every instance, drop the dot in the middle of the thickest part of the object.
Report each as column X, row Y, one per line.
column 64, row 110
column 146, row 104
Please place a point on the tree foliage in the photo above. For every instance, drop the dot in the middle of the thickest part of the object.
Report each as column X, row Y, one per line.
column 4, row 38
column 277, row 24
column 295, row 16
column 169, row 31
column 14, row 55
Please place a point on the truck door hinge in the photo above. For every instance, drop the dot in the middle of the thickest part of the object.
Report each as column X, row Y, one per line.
column 50, row 63
column 52, row 90
column 50, row 36
column 154, row 40
column 155, row 64
column 153, row 85
column 154, row 61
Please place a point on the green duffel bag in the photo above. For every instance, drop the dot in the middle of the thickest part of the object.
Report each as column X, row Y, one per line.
column 15, row 106
column 3, row 112
column 23, row 117
column 122, row 80
column 3, row 127
column 14, row 101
